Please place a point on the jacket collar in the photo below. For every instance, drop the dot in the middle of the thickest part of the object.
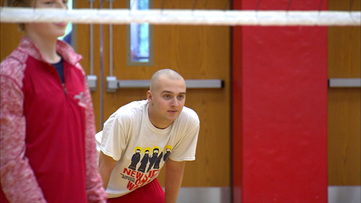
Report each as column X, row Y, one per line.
column 64, row 49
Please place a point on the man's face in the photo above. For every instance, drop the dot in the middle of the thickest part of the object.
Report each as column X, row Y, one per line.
column 166, row 101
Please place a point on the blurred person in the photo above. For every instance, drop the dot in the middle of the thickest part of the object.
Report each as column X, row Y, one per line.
column 48, row 151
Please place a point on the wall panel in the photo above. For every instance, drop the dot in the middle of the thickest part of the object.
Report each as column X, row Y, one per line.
column 344, row 103
column 196, row 52
column 9, row 38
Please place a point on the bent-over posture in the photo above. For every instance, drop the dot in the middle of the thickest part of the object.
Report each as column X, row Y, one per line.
column 143, row 136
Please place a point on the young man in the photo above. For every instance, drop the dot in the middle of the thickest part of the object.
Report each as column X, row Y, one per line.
column 142, row 136
column 48, row 151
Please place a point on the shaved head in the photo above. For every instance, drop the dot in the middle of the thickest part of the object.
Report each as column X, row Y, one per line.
column 166, row 97
column 167, row 73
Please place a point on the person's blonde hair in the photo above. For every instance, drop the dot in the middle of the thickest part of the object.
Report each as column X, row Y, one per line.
column 19, row 3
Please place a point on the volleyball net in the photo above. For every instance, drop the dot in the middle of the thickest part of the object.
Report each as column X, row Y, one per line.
column 183, row 17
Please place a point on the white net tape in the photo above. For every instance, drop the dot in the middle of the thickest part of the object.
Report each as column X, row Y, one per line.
column 183, row 17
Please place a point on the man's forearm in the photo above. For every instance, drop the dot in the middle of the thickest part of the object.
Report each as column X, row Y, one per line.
column 173, row 180
column 105, row 178
column 106, row 166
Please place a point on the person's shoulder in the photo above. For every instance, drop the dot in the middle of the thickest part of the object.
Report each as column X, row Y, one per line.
column 133, row 109
column 133, row 106
column 189, row 115
column 127, row 115
column 68, row 53
column 14, row 65
column 189, row 111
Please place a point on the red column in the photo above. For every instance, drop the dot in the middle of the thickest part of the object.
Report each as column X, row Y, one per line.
column 279, row 108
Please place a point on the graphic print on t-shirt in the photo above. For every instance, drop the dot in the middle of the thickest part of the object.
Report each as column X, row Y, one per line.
column 144, row 161
column 135, row 158
column 145, row 165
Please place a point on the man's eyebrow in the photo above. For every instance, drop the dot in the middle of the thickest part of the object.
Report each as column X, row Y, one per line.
column 170, row 92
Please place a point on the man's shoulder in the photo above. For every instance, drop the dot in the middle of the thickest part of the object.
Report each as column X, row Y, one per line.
column 189, row 115
column 189, row 111
column 131, row 109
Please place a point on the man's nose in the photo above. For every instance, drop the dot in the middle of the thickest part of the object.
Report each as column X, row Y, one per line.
column 175, row 101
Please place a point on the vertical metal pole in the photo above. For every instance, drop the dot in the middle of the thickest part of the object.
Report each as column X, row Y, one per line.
column 111, row 42
column 101, row 71
column 91, row 41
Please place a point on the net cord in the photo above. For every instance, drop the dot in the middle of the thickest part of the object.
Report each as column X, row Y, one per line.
column 183, row 17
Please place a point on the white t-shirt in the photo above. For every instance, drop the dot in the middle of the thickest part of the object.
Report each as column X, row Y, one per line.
column 142, row 149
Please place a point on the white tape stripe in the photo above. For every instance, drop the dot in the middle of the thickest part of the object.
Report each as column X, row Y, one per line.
column 184, row 17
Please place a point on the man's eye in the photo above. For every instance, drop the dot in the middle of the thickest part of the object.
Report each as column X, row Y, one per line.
column 180, row 96
column 167, row 96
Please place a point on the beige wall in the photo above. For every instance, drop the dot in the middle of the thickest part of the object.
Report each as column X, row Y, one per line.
column 196, row 52
column 344, row 103
column 203, row 52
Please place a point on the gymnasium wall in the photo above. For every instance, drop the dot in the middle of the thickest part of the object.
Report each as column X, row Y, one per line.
column 344, row 104
column 203, row 52
column 280, row 125
column 260, row 164
column 196, row 52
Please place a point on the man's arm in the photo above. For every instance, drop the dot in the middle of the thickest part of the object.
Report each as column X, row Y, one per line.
column 173, row 179
column 106, row 166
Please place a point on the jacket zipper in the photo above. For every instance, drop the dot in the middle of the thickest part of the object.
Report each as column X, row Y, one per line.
column 64, row 88
column 62, row 84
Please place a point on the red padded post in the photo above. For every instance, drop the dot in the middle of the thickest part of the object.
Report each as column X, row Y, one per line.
column 279, row 108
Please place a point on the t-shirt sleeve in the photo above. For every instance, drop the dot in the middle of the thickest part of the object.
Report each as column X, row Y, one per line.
column 185, row 148
column 113, row 141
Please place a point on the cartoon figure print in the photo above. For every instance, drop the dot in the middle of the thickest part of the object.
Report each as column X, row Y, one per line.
column 153, row 158
column 144, row 161
column 168, row 149
column 143, row 175
column 135, row 158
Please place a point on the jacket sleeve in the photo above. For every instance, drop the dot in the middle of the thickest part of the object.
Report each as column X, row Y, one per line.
column 95, row 190
column 18, row 181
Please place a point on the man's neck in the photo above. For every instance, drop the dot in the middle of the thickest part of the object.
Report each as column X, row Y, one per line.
column 155, row 122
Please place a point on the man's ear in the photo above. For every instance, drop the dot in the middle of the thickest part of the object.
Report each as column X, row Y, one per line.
column 149, row 96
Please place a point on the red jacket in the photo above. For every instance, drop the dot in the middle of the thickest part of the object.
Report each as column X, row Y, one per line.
column 47, row 131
